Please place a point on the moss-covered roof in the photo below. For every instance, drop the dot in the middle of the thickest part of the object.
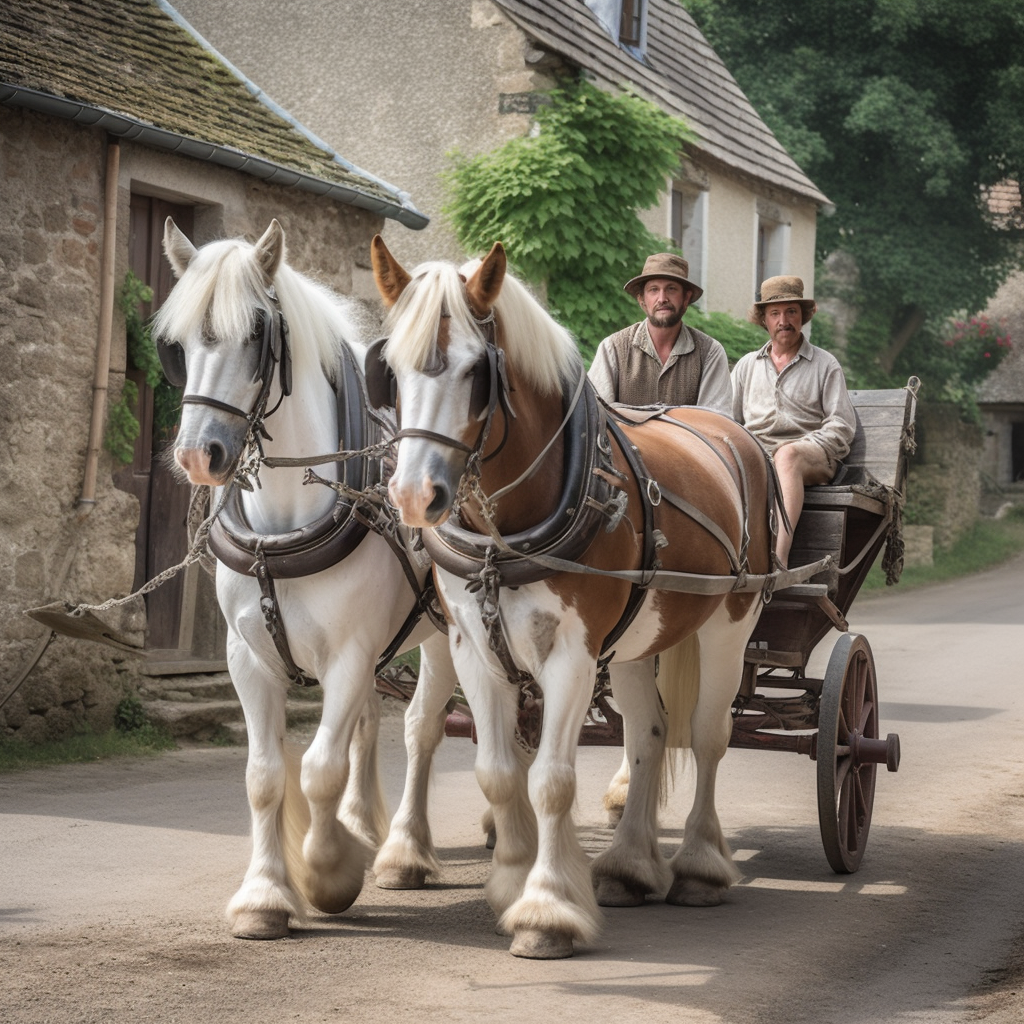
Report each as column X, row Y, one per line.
column 136, row 69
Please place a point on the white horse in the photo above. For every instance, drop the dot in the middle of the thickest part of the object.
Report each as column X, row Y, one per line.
column 490, row 391
column 221, row 330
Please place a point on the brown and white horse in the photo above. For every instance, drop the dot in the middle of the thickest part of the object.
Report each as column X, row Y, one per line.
column 440, row 325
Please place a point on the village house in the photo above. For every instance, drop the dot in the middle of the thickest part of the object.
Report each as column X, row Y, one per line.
column 114, row 116
column 401, row 85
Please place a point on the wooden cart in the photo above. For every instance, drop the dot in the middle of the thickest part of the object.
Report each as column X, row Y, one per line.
column 834, row 719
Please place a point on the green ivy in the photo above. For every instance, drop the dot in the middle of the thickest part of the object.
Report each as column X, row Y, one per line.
column 141, row 348
column 738, row 337
column 564, row 201
column 123, row 425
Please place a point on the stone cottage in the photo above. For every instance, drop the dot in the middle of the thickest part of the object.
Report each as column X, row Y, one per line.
column 400, row 84
column 112, row 117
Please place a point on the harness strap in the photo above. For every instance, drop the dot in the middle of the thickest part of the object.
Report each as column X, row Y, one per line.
column 650, row 563
column 694, row 513
column 275, row 624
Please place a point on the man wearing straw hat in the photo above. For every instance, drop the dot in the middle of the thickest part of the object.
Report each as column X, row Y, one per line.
column 792, row 397
column 661, row 360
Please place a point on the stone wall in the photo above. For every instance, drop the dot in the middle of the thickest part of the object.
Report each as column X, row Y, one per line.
column 52, row 197
column 944, row 486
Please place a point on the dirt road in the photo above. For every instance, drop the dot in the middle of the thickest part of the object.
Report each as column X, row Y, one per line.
column 113, row 879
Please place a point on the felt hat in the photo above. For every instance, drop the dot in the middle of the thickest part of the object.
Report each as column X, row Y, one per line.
column 782, row 289
column 664, row 264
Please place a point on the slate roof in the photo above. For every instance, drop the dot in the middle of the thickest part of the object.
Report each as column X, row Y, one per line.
column 136, row 69
column 683, row 75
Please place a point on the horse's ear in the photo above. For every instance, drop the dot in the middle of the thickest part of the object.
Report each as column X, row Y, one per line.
column 270, row 250
column 484, row 286
column 391, row 278
column 178, row 248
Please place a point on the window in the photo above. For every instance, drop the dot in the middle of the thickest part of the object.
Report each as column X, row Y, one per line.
column 625, row 21
column 772, row 245
column 688, row 215
column 630, row 24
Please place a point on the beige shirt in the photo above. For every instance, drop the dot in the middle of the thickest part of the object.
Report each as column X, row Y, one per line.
column 808, row 399
column 715, row 390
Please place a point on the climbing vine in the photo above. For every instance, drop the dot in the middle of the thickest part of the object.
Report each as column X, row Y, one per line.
column 122, row 423
column 565, row 201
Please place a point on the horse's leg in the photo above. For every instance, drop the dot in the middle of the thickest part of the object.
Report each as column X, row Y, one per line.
column 408, row 856
column 614, row 799
column 633, row 865
column 702, row 868
column 615, row 796
column 557, row 907
column 334, row 860
column 261, row 907
column 501, row 770
column 363, row 809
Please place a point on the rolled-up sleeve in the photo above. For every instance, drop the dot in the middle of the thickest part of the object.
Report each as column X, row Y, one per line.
column 715, row 386
column 840, row 421
column 604, row 372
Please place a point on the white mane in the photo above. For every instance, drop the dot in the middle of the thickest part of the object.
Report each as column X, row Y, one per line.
column 542, row 351
column 220, row 290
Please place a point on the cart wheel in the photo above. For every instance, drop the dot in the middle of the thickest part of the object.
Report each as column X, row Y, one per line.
column 846, row 778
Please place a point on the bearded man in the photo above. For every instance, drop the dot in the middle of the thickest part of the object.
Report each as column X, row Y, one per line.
column 660, row 360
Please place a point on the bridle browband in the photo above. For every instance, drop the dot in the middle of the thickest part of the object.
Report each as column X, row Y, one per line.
column 380, row 384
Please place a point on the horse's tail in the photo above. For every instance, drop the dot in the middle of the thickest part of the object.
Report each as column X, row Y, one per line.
column 294, row 817
column 679, row 686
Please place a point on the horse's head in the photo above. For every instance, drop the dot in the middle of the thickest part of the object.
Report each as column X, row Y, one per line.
column 221, row 336
column 440, row 350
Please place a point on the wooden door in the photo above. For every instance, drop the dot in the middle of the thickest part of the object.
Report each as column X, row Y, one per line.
column 185, row 630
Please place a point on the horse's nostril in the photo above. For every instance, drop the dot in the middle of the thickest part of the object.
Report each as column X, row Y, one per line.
column 440, row 502
column 218, row 456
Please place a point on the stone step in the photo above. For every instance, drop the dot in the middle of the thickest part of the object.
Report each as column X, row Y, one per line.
column 188, row 688
column 205, row 708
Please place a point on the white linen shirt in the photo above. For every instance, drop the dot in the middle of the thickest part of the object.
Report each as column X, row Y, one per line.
column 808, row 399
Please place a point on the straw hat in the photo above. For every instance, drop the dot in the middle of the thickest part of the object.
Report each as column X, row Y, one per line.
column 664, row 264
column 781, row 289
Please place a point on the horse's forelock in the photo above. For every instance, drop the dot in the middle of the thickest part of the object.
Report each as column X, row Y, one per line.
column 412, row 323
column 222, row 289
column 216, row 295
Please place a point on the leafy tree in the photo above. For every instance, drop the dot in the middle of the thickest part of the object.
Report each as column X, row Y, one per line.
column 564, row 201
column 902, row 112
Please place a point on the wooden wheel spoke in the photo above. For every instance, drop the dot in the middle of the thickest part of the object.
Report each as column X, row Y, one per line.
column 846, row 787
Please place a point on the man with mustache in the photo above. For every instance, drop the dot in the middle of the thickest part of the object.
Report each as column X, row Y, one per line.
column 661, row 360
column 792, row 397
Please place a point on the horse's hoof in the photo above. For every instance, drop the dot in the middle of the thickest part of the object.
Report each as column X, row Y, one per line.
column 261, row 924
column 613, row 892
column 695, row 892
column 536, row 945
column 492, row 837
column 614, row 816
column 401, row 878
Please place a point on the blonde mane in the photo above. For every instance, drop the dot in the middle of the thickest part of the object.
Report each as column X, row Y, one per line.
column 542, row 351
column 221, row 289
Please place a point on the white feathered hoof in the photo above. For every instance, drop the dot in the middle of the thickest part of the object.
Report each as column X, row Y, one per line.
column 531, row 944
column 613, row 892
column 261, row 924
column 695, row 892
column 400, row 878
